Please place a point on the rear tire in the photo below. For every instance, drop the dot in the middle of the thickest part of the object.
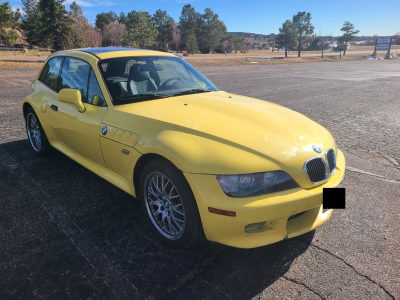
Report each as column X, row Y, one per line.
column 36, row 136
column 169, row 204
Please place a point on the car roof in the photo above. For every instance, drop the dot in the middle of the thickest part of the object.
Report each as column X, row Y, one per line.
column 110, row 52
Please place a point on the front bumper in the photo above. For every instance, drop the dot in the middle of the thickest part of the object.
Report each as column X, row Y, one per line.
column 274, row 209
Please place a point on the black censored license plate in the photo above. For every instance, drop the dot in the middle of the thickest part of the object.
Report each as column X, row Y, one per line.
column 334, row 198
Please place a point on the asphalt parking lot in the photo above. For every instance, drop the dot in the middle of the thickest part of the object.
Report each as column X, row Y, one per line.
column 67, row 234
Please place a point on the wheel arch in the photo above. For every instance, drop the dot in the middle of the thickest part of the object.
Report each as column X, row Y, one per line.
column 139, row 166
column 25, row 107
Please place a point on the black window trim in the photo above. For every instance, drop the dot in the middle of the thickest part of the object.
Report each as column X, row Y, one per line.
column 104, row 83
column 91, row 69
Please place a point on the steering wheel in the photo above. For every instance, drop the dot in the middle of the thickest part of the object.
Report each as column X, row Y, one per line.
column 169, row 80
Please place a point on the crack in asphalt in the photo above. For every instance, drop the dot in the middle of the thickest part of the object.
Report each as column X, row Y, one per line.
column 350, row 266
column 191, row 275
column 215, row 287
column 304, row 285
column 351, row 169
column 391, row 160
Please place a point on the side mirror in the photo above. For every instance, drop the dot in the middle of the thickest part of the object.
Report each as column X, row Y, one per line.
column 97, row 100
column 72, row 96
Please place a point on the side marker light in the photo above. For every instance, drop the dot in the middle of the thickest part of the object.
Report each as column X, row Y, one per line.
column 222, row 212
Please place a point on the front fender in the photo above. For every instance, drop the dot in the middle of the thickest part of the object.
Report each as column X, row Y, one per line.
column 195, row 154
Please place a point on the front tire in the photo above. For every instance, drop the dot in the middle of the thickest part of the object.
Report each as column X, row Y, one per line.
column 169, row 204
column 36, row 136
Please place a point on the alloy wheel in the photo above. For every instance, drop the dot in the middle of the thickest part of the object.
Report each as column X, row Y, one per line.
column 164, row 205
column 34, row 134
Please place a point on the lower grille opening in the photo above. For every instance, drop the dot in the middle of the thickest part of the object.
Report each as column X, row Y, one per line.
column 296, row 215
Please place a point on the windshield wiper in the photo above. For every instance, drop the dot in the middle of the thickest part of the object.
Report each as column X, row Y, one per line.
column 191, row 91
column 141, row 96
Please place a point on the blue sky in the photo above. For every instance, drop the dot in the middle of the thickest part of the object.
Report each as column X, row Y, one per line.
column 370, row 17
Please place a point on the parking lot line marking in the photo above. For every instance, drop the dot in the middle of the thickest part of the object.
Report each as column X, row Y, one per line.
column 351, row 169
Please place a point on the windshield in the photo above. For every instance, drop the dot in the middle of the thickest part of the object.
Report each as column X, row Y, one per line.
column 133, row 79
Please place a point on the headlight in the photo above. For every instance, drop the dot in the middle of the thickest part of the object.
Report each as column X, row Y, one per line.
column 255, row 184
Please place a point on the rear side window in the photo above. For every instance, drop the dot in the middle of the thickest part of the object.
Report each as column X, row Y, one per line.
column 75, row 75
column 51, row 73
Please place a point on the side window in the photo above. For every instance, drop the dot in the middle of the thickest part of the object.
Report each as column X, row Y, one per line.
column 51, row 73
column 75, row 75
column 95, row 96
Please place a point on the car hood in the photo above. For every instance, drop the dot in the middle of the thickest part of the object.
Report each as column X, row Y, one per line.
column 274, row 132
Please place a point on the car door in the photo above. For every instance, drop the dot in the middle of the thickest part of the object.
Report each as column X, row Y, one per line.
column 79, row 131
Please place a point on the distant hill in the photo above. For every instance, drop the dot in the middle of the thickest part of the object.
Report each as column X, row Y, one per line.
column 246, row 33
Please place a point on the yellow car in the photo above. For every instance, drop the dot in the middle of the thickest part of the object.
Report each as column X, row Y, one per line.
column 205, row 163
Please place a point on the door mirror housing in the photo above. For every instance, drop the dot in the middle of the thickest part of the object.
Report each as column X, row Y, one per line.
column 72, row 96
column 97, row 100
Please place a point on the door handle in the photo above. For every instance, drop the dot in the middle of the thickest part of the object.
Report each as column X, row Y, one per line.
column 53, row 107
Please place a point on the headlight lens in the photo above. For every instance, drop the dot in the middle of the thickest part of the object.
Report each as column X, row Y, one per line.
column 255, row 184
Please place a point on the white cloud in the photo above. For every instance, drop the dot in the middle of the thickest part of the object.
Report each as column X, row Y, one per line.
column 91, row 3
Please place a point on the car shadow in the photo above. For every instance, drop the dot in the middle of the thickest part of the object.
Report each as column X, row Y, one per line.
column 104, row 225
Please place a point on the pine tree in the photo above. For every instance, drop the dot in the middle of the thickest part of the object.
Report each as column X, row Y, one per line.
column 191, row 43
column 303, row 27
column 56, row 26
column 103, row 19
column 348, row 34
column 8, row 17
column 141, row 31
column 164, row 24
column 30, row 23
column 286, row 37
column 9, row 20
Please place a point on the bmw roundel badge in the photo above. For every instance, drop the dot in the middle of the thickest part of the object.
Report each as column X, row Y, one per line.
column 316, row 148
column 104, row 130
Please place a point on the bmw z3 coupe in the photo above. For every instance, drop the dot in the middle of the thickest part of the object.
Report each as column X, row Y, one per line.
column 204, row 163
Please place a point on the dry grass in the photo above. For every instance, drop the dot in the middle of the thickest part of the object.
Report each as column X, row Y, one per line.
column 253, row 53
column 230, row 60
column 240, row 61
column 371, row 48
column 19, row 65
column 281, row 53
column 28, row 53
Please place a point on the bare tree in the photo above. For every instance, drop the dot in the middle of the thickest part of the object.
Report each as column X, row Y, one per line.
column 396, row 39
column 176, row 37
column 95, row 37
column 245, row 47
column 371, row 40
column 227, row 46
column 114, row 33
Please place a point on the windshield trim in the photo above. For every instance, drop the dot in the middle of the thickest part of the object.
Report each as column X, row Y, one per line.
column 185, row 63
column 153, row 96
